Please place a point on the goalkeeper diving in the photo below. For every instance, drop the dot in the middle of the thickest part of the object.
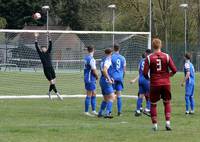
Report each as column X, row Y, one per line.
column 44, row 53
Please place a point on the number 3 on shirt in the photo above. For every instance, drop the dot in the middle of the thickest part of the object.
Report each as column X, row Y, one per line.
column 159, row 65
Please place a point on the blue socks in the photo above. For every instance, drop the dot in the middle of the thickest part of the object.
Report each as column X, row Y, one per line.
column 102, row 108
column 192, row 103
column 89, row 99
column 119, row 104
column 187, row 102
column 139, row 103
column 87, row 103
column 148, row 104
column 93, row 103
column 109, row 107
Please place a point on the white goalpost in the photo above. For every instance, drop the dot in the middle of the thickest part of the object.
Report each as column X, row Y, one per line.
column 21, row 70
column 72, row 32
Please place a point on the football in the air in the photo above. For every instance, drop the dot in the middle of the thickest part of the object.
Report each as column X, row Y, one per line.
column 36, row 16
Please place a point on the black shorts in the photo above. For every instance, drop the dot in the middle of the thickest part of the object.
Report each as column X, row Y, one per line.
column 49, row 73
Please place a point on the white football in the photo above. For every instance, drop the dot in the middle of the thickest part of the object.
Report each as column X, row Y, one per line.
column 37, row 16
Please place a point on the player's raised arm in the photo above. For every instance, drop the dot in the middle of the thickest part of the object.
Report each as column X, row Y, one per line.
column 36, row 42
column 172, row 67
column 146, row 68
column 50, row 43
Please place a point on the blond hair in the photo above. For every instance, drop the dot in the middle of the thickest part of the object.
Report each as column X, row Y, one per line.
column 156, row 43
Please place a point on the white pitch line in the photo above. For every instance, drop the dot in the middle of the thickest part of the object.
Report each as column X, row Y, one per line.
column 54, row 96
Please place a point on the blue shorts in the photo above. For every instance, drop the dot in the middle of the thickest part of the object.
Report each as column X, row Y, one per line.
column 90, row 86
column 189, row 89
column 144, row 86
column 106, row 88
column 118, row 85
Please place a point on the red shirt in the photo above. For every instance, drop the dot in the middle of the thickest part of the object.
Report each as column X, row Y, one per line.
column 159, row 64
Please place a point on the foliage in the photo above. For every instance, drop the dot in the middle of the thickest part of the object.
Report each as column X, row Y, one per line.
column 19, row 12
column 3, row 23
column 131, row 15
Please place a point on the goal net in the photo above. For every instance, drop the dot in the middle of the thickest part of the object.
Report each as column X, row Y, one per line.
column 21, row 69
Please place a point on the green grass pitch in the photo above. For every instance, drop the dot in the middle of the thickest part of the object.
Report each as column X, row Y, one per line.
column 42, row 120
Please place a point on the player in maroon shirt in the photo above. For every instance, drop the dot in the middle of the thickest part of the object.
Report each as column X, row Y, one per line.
column 159, row 64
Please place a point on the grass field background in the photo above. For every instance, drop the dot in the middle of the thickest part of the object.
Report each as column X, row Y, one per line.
column 63, row 121
column 34, row 83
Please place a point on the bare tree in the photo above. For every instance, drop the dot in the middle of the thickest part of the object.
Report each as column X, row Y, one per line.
column 164, row 6
column 198, row 22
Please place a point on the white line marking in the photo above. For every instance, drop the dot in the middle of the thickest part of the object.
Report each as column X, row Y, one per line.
column 54, row 96
column 123, row 122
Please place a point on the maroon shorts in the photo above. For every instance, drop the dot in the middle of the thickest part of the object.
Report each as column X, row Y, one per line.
column 160, row 92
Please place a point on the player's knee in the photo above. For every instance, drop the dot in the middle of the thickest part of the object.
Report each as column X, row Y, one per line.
column 153, row 104
column 141, row 96
column 93, row 93
column 147, row 97
column 187, row 95
column 118, row 93
column 166, row 101
column 53, row 81
column 89, row 93
column 191, row 97
column 111, row 97
column 105, row 98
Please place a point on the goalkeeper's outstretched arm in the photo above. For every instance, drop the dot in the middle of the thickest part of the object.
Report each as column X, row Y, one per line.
column 36, row 43
column 50, row 44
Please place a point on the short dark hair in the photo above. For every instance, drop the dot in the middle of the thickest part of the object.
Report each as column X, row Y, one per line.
column 148, row 51
column 90, row 48
column 143, row 55
column 188, row 56
column 116, row 47
column 108, row 51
